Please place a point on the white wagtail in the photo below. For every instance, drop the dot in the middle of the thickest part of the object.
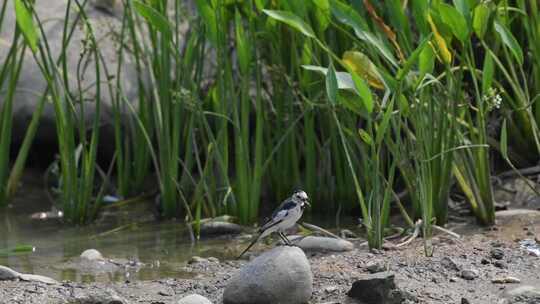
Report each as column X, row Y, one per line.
column 283, row 218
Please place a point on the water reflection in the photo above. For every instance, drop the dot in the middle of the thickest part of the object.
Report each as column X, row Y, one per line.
column 158, row 249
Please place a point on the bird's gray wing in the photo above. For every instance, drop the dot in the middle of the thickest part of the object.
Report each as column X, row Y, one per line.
column 276, row 219
column 279, row 214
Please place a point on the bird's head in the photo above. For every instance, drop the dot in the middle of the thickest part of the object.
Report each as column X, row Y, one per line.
column 301, row 197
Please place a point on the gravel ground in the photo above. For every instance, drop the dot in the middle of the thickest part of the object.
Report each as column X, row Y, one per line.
column 461, row 271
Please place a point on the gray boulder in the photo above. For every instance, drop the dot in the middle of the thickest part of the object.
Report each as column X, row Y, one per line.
column 31, row 84
column 8, row 274
column 320, row 243
column 194, row 299
column 281, row 275
column 37, row 278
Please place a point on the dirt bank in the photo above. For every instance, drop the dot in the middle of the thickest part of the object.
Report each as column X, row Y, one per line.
column 486, row 254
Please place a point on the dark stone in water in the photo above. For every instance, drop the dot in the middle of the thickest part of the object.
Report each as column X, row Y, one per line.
column 378, row 288
column 220, row 228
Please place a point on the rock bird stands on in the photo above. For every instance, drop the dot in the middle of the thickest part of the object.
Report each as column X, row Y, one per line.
column 283, row 218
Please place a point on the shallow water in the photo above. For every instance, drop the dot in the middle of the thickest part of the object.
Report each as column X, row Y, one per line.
column 162, row 247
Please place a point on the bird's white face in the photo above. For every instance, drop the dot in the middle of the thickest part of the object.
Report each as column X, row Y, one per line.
column 302, row 197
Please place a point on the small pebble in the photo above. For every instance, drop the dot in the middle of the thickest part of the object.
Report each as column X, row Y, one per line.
column 330, row 289
column 469, row 274
column 374, row 267
column 500, row 264
column 375, row 251
column 497, row 253
column 496, row 243
column 164, row 293
column 450, row 264
column 484, row 261
column 465, row 301
column 453, row 279
column 213, row 259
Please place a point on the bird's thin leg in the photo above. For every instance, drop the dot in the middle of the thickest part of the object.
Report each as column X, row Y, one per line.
column 287, row 241
column 283, row 238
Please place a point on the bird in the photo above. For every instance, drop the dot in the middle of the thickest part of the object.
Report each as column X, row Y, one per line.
column 283, row 218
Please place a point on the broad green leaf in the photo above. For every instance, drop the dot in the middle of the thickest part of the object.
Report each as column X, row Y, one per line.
column 292, row 20
column 350, row 101
column 322, row 12
column 426, row 62
column 26, row 24
column 481, row 19
column 347, row 15
column 363, row 91
column 504, row 141
column 510, row 41
column 379, row 45
column 362, row 65
column 463, row 7
column 344, row 80
column 413, row 58
column 153, row 17
column 487, row 73
column 455, row 20
column 419, row 13
column 397, row 16
column 331, row 84
column 352, row 83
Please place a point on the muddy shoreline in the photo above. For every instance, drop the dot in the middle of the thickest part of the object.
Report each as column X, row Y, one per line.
column 438, row 279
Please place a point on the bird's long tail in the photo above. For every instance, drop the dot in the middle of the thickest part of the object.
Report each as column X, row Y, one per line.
column 250, row 245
